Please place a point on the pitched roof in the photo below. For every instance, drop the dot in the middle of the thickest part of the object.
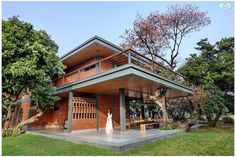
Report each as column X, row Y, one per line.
column 89, row 42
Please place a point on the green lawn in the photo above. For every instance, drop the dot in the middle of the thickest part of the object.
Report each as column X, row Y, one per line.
column 208, row 141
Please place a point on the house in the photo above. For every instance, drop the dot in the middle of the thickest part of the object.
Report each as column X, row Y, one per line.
column 101, row 76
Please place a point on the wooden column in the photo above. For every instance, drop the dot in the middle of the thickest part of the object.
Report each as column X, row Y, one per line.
column 122, row 109
column 70, row 103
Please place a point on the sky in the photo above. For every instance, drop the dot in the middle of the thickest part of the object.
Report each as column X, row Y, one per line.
column 71, row 23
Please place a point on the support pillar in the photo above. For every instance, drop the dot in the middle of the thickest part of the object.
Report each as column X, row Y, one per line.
column 142, row 112
column 97, row 111
column 70, row 103
column 122, row 109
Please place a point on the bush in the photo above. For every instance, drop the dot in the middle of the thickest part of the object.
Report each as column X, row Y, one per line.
column 7, row 132
column 11, row 132
column 229, row 120
column 179, row 118
column 171, row 126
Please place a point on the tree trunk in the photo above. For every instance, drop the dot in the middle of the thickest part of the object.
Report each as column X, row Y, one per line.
column 165, row 114
column 216, row 119
column 161, row 102
column 28, row 121
column 199, row 114
column 7, row 120
column 182, row 115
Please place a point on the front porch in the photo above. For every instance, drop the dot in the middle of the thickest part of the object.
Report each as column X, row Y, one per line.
column 119, row 141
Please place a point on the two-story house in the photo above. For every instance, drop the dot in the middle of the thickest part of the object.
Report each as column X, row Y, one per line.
column 101, row 76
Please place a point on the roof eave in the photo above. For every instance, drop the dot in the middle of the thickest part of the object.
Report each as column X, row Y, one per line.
column 87, row 43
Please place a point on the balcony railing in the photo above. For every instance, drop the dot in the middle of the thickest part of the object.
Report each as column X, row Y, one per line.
column 125, row 57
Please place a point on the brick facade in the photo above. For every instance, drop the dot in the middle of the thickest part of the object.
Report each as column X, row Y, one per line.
column 22, row 111
column 56, row 118
column 75, row 76
column 53, row 118
column 105, row 103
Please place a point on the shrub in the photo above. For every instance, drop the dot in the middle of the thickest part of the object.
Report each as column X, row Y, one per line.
column 166, row 127
column 228, row 120
column 172, row 126
column 7, row 132
column 11, row 132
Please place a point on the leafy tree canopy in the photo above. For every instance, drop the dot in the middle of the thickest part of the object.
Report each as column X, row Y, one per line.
column 214, row 67
column 29, row 61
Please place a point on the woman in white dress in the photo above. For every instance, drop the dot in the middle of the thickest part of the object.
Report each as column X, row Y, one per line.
column 109, row 127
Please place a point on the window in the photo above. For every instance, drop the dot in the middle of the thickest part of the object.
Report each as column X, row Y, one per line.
column 89, row 68
column 84, row 108
column 56, row 108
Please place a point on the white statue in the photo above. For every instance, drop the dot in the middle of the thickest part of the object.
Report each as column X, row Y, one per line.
column 109, row 127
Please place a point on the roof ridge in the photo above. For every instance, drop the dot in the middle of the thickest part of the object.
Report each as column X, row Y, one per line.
column 88, row 41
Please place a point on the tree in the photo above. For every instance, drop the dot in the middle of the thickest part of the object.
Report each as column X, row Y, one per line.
column 213, row 68
column 43, row 97
column 198, row 99
column 179, row 108
column 158, row 32
column 214, row 108
column 158, row 97
column 29, row 62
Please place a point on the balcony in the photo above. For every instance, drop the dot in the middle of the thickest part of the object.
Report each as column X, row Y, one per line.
column 119, row 59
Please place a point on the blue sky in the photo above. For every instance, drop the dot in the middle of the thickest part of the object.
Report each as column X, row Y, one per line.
column 71, row 23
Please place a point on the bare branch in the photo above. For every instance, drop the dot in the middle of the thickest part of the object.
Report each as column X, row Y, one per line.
column 157, row 32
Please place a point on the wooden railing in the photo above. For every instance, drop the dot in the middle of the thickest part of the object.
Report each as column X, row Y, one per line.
column 125, row 57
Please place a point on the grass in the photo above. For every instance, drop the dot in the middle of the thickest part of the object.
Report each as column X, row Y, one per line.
column 207, row 141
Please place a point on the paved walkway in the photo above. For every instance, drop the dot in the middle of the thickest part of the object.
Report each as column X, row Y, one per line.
column 117, row 140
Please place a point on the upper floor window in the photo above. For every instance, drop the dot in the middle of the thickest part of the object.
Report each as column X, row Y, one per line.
column 89, row 68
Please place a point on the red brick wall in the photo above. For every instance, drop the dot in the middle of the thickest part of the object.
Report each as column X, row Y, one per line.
column 58, row 118
column 75, row 76
column 80, row 124
column 106, row 65
column 58, row 82
column 84, row 74
column 116, row 112
column 54, row 118
column 15, row 115
column 105, row 103
column 90, row 61
column 71, row 77
column 25, row 107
